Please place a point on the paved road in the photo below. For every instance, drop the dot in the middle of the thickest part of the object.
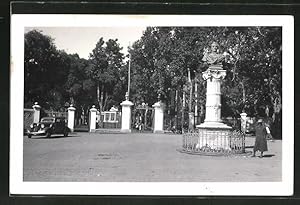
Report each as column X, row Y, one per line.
column 139, row 157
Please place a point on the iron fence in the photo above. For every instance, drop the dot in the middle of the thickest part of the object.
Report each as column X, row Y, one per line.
column 214, row 141
column 28, row 118
column 50, row 113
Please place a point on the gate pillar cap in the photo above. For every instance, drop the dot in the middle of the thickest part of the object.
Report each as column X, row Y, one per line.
column 126, row 103
column 93, row 109
column 71, row 108
column 158, row 104
column 243, row 114
column 36, row 106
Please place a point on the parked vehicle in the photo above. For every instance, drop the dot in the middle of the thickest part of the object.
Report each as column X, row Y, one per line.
column 49, row 126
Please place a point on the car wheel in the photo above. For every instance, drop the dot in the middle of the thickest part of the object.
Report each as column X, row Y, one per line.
column 29, row 136
column 48, row 134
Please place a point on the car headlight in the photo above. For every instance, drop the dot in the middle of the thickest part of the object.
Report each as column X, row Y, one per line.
column 31, row 126
column 42, row 126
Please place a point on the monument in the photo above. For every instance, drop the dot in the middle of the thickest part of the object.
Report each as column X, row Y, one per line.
column 213, row 133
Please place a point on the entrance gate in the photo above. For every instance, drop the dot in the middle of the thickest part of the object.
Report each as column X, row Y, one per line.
column 142, row 118
column 82, row 119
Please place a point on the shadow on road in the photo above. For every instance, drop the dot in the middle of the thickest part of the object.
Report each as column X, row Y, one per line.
column 268, row 155
column 55, row 137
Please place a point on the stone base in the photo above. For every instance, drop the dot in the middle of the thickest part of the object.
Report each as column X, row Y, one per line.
column 214, row 136
column 213, row 125
column 126, row 130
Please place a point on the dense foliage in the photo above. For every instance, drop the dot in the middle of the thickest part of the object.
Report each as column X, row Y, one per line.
column 56, row 79
column 170, row 58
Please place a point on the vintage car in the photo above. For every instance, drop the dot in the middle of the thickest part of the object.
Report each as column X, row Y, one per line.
column 48, row 126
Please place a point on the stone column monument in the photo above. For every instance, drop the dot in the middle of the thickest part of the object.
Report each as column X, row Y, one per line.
column 215, row 134
column 126, row 114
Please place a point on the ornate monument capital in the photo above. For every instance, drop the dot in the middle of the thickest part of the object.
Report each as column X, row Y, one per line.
column 214, row 73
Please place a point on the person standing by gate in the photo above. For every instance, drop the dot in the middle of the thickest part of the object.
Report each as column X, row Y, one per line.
column 261, row 132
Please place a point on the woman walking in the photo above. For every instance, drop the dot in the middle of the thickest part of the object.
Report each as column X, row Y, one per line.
column 261, row 138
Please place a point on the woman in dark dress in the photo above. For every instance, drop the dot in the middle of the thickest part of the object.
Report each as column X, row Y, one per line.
column 260, row 139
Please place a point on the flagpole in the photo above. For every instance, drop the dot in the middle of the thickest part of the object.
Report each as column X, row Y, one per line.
column 128, row 90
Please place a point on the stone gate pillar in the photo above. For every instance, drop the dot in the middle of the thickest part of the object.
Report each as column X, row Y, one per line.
column 36, row 115
column 243, row 121
column 126, row 115
column 93, row 115
column 71, row 117
column 158, row 117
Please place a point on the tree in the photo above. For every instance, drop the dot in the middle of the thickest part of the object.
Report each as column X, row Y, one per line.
column 105, row 64
column 170, row 58
column 44, row 71
column 79, row 87
column 143, row 69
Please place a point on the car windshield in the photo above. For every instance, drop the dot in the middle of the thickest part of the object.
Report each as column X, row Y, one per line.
column 47, row 120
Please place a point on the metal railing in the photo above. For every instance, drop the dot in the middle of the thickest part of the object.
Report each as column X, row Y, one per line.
column 50, row 113
column 28, row 118
column 214, row 141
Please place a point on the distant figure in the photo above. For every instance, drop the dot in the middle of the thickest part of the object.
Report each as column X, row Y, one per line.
column 139, row 123
column 261, row 133
column 140, row 126
column 213, row 58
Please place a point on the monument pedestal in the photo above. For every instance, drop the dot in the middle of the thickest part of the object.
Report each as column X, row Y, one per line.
column 214, row 136
column 213, row 133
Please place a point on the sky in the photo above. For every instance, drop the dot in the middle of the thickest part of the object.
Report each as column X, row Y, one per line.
column 82, row 40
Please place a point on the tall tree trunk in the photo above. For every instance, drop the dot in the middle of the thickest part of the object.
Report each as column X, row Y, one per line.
column 100, row 101
column 276, row 106
column 101, row 97
column 276, row 117
column 191, row 114
column 244, row 94
column 176, row 108
column 98, row 95
column 191, row 90
column 202, row 113
column 196, row 102
column 105, row 102
column 182, row 110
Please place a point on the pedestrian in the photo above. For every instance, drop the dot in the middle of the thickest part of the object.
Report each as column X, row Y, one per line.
column 260, row 138
column 140, row 126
